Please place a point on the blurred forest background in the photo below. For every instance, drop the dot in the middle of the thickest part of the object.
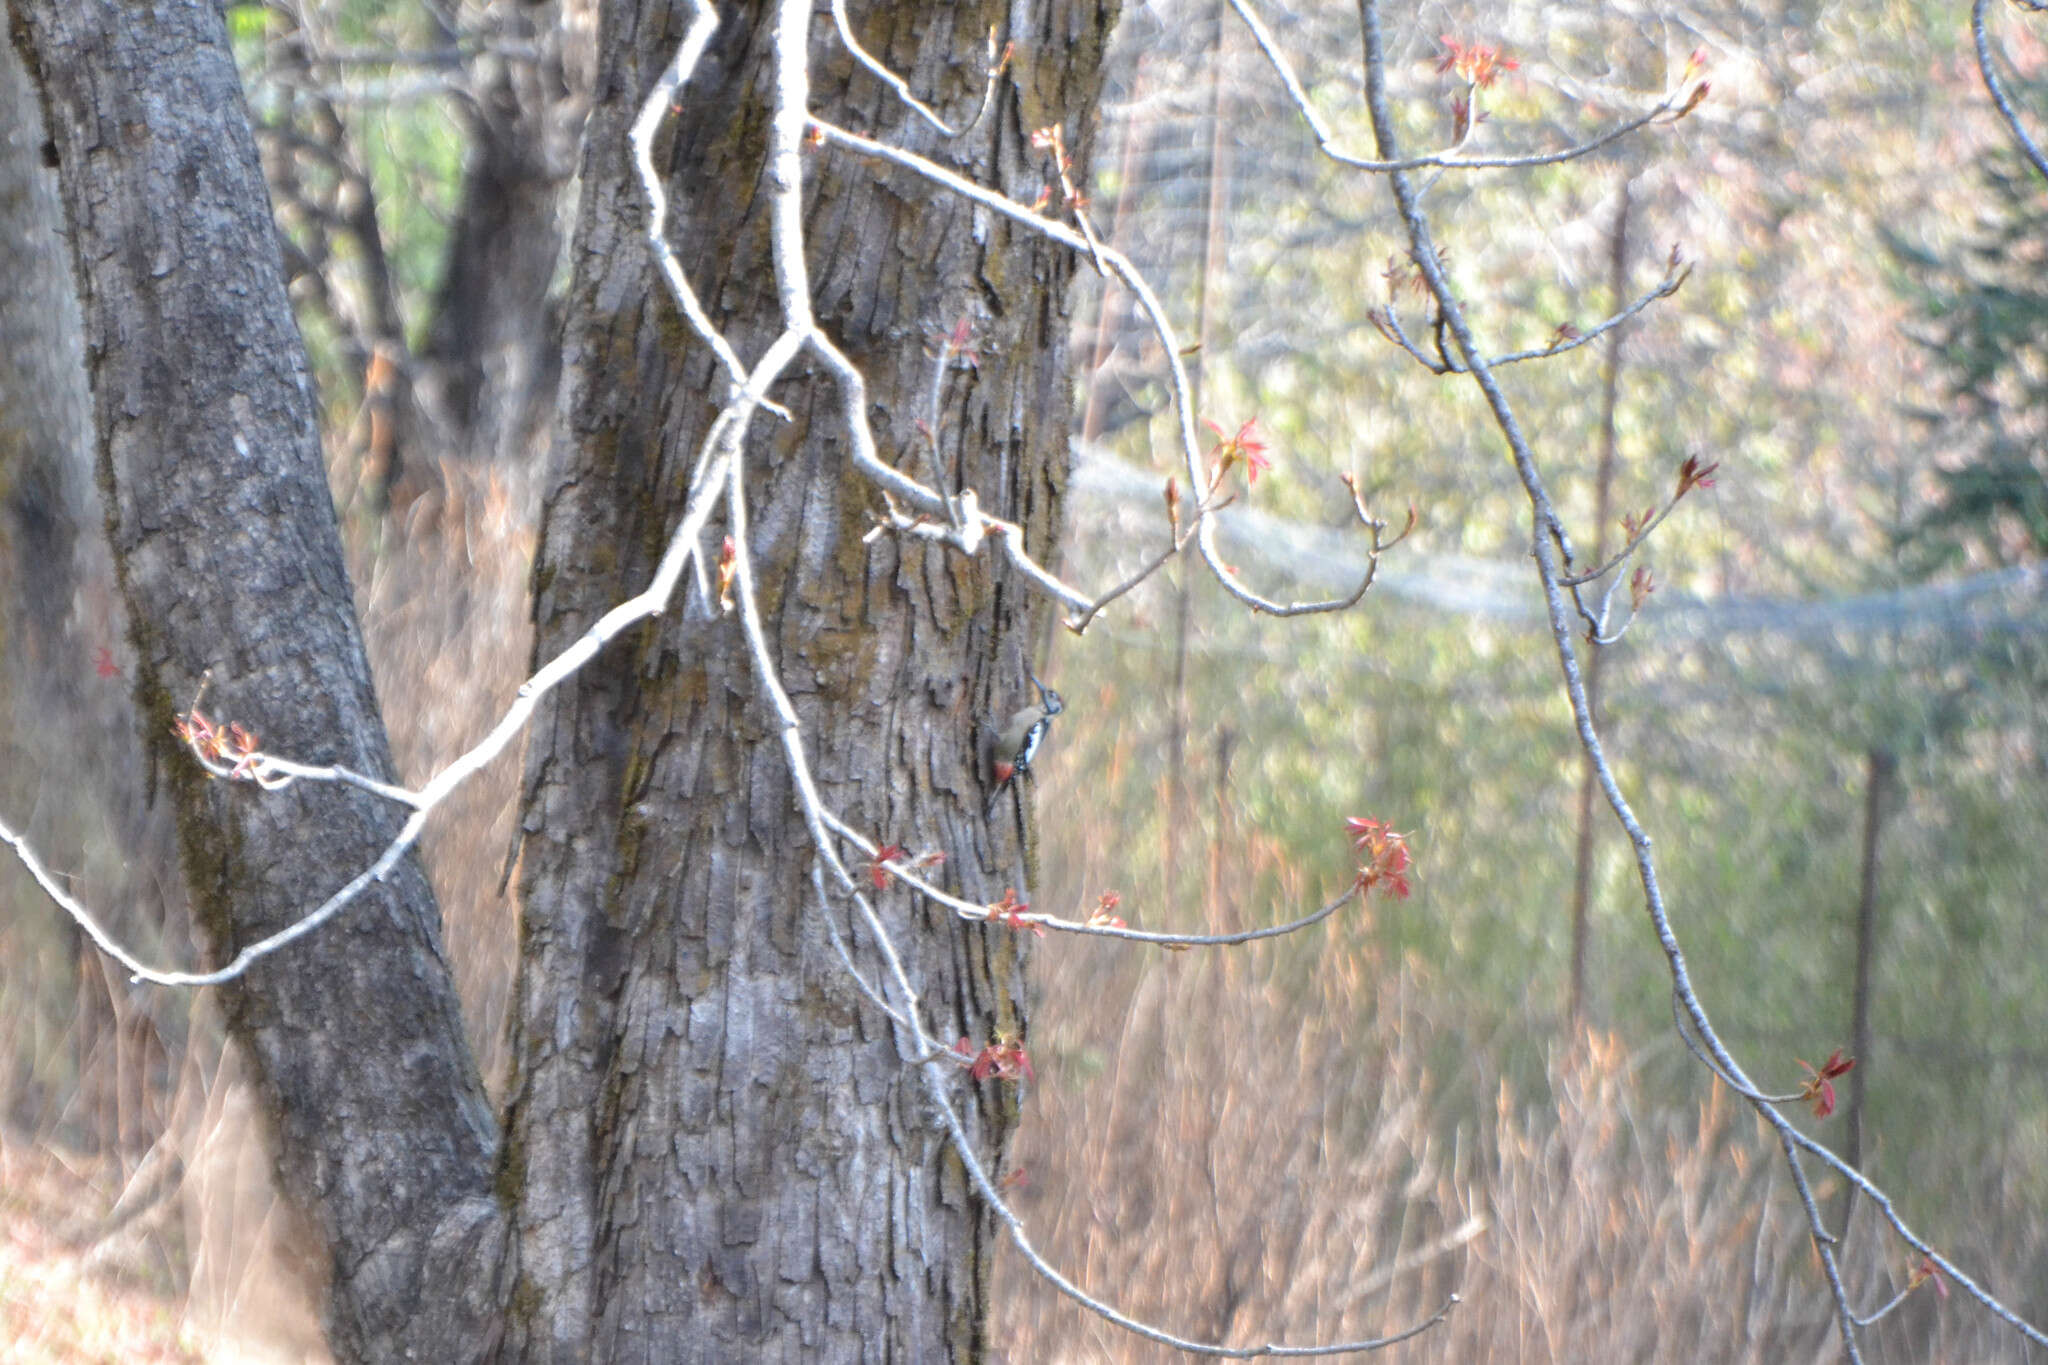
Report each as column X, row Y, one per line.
column 1830, row 711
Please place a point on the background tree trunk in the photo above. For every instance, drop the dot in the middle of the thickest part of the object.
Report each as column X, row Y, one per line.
column 68, row 767
column 221, row 524
column 715, row 1148
column 494, row 346
column 1603, row 506
column 1881, row 769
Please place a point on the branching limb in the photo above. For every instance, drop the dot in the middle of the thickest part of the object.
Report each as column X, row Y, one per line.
column 839, row 946
column 1988, row 68
column 996, row 63
column 978, row 1174
column 1674, row 279
column 904, row 871
column 1424, row 253
column 1177, row 541
column 785, row 187
column 1672, row 105
column 1551, row 575
column 660, row 102
column 721, row 446
column 1619, row 557
column 1119, row 265
column 1949, row 1270
column 924, row 1048
column 1387, row 322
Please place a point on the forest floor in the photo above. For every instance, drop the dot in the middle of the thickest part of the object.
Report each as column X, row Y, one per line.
column 66, row 1298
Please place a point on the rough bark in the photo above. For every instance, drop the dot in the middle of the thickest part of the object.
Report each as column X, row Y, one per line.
column 46, row 496
column 715, row 1148
column 714, row 1153
column 223, row 531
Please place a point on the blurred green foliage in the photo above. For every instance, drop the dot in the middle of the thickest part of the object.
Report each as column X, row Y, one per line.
column 1787, row 358
column 400, row 130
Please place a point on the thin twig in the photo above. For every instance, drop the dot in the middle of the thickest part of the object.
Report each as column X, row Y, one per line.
column 786, row 129
column 1128, row 275
column 1791, row 1140
column 882, row 73
column 1670, row 285
column 1326, row 141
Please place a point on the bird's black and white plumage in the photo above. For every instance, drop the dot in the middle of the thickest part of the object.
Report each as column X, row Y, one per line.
column 1018, row 742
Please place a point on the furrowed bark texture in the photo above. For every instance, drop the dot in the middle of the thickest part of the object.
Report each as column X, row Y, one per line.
column 224, row 535
column 718, row 1150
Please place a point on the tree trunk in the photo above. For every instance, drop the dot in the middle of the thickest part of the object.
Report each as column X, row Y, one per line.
column 70, row 773
column 715, row 1146
column 1603, row 498
column 222, row 527
column 716, row 1150
column 493, row 348
column 1881, row 768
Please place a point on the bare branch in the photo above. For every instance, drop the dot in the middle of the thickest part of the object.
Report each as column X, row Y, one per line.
column 1326, row 140
column 968, row 910
column 721, row 446
column 1546, row 551
column 785, row 187
column 882, row 73
column 1080, row 620
column 1116, row 263
column 660, row 101
column 1424, row 252
column 1989, row 70
column 1673, row 280
column 1015, row 1226
column 1619, row 557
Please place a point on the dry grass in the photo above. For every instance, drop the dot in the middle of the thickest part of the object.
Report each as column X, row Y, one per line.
column 1247, row 1146
column 450, row 637
column 66, row 1296
column 443, row 598
column 1247, row 1151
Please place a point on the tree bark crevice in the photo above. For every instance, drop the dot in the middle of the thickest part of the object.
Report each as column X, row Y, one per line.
column 801, row 1199
column 224, row 534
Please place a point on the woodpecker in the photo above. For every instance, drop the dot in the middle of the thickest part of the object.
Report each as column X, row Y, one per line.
column 1018, row 742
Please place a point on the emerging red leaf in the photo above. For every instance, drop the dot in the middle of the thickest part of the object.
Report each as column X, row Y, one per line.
column 1476, row 63
column 1692, row 474
column 1387, row 859
column 879, row 875
column 1641, row 584
column 1927, row 1271
column 1004, row 1059
column 1102, row 916
column 1245, row 447
column 1009, row 912
column 1819, row 1087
